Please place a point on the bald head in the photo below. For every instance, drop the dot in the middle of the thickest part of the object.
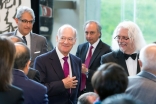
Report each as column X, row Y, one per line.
column 148, row 58
column 22, row 55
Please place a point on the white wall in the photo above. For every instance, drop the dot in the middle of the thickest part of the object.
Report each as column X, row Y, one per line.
column 74, row 17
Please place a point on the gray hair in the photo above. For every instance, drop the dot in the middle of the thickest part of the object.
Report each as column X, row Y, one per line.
column 66, row 26
column 99, row 28
column 83, row 99
column 148, row 57
column 22, row 9
column 134, row 33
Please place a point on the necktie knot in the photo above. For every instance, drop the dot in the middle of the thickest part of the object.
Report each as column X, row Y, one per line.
column 65, row 59
column 133, row 56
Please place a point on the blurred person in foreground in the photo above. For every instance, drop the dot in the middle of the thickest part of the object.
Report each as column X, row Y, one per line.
column 109, row 79
column 9, row 94
column 34, row 92
column 121, row 99
column 143, row 85
column 32, row 73
column 87, row 98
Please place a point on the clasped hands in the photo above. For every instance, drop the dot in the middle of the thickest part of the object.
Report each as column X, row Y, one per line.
column 70, row 82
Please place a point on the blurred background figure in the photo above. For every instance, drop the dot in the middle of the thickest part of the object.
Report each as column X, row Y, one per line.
column 109, row 79
column 25, row 19
column 90, row 53
column 143, row 85
column 87, row 98
column 121, row 99
column 127, row 40
column 9, row 94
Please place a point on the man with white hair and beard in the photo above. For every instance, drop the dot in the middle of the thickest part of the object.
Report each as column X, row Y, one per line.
column 127, row 40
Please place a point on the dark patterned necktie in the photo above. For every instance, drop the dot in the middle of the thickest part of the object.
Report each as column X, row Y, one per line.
column 24, row 39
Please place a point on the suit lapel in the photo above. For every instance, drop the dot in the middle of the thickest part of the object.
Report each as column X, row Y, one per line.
column 33, row 43
column 56, row 65
column 84, row 53
column 96, row 52
column 138, row 66
column 121, row 60
column 147, row 75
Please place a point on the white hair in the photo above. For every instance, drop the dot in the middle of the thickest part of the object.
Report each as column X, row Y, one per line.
column 148, row 57
column 134, row 33
column 66, row 26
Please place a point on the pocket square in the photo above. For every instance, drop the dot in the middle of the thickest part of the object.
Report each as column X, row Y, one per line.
column 37, row 52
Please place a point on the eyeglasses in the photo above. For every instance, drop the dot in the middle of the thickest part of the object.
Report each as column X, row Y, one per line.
column 121, row 37
column 63, row 39
column 26, row 21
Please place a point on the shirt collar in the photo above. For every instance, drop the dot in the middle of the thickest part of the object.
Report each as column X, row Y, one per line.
column 95, row 44
column 60, row 55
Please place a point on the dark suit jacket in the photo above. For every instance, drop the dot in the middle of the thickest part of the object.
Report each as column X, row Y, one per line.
column 13, row 96
column 100, row 50
column 33, row 74
column 38, row 45
column 51, row 75
column 143, row 87
column 117, row 57
column 34, row 92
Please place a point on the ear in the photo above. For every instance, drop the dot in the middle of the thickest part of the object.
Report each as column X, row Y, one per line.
column 26, row 70
column 16, row 20
column 74, row 41
column 140, row 63
column 57, row 40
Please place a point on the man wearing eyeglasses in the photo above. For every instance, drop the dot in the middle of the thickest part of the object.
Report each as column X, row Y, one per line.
column 127, row 40
column 90, row 53
column 25, row 19
column 59, row 70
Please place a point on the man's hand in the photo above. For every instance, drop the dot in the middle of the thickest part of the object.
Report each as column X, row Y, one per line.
column 84, row 69
column 70, row 82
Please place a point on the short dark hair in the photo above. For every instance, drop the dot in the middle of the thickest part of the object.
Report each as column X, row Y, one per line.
column 109, row 79
column 121, row 99
column 22, row 55
column 7, row 54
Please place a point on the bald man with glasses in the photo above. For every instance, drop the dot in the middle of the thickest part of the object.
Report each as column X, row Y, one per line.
column 25, row 19
column 127, row 40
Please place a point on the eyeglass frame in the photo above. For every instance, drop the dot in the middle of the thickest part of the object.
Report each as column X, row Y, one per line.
column 63, row 39
column 26, row 21
column 123, row 37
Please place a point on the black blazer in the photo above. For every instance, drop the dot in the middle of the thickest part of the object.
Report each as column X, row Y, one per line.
column 51, row 75
column 117, row 57
column 13, row 96
column 100, row 50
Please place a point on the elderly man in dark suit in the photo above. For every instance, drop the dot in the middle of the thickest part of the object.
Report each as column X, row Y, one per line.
column 34, row 92
column 127, row 40
column 143, row 85
column 25, row 19
column 93, row 33
column 59, row 70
